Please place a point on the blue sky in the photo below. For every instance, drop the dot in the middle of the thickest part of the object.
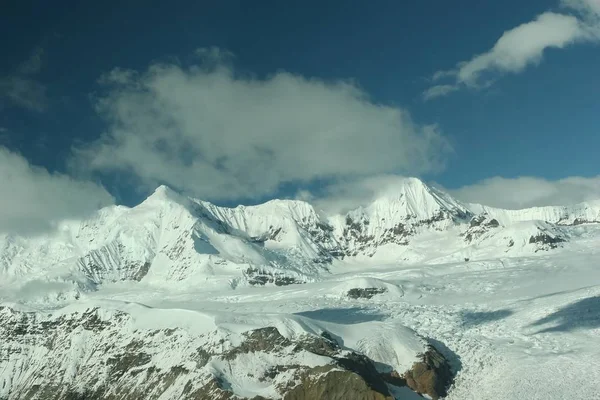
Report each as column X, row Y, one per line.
column 530, row 109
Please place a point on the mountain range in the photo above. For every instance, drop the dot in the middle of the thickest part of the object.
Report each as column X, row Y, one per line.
column 170, row 238
column 178, row 298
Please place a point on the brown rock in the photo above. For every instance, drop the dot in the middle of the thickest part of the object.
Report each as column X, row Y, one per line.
column 431, row 376
column 331, row 383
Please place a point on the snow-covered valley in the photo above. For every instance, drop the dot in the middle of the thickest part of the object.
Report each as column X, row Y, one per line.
column 178, row 298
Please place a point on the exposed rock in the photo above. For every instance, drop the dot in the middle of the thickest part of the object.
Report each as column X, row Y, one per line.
column 478, row 226
column 484, row 220
column 365, row 293
column 142, row 272
column 431, row 376
column 260, row 277
column 331, row 383
column 264, row 339
column 547, row 240
column 324, row 345
column 271, row 234
column 115, row 360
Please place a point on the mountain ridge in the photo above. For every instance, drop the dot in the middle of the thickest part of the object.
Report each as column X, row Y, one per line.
column 171, row 239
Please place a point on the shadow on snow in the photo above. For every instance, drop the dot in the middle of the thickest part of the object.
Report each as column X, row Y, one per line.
column 583, row 314
column 474, row 318
column 353, row 315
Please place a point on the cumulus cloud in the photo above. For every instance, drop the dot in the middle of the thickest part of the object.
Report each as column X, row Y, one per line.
column 522, row 46
column 526, row 192
column 21, row 87
column 34, row 200
column 211, row 132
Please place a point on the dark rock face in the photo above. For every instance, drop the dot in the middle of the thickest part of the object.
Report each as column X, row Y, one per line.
column 356, row 237
column 271, row 234
column 480, row 225
column 259, row 340
column 431, row 376
column 578, row 221
column 365, row 293
column 483, row 220
column 329, row 383
column 258, row 277
column 350, row 376
column 108, row 358
column 544, row 238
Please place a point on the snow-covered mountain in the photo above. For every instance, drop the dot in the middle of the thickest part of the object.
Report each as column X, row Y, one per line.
column 171, row 239
column 105, row 351
column 179, row 298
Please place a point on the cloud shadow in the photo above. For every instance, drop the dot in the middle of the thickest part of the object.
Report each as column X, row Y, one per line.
column 475, row 318
column 583, row 314
column 348, row 316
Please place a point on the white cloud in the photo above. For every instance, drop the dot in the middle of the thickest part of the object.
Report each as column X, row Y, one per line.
column 33, row 199
column 346, row 195
column 523, row 46
column 21, row 88
column 526, row 192
column 590, row 9
column 439, row 91
column 515, row 193
column 209, row 131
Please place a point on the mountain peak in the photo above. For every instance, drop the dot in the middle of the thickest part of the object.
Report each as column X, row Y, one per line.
column 413, row 198
column 163, row 190
column 164, row 193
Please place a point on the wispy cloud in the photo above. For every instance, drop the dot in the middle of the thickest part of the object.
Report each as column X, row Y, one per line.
column 347, row 194
column 439, row 91
column 527, row 191
column 521, row 47
column 22, row 88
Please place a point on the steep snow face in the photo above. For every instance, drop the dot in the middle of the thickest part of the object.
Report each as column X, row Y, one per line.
column 394, row 218
column 582, row 213
column 167, row 238
column 284, row 225
column 518, row 239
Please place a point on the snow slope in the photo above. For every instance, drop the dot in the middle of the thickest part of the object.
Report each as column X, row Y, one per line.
column 499, row 292
column 170, row 239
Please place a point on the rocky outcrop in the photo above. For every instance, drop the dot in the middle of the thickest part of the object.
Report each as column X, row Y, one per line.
column 365, row 293
column 331, row 383
column 546, row 240
column 478, row 226
column 431, row 376
column 261, row 277
column 98, row 354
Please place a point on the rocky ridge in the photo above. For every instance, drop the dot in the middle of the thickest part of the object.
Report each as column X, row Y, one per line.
column 100, row 353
